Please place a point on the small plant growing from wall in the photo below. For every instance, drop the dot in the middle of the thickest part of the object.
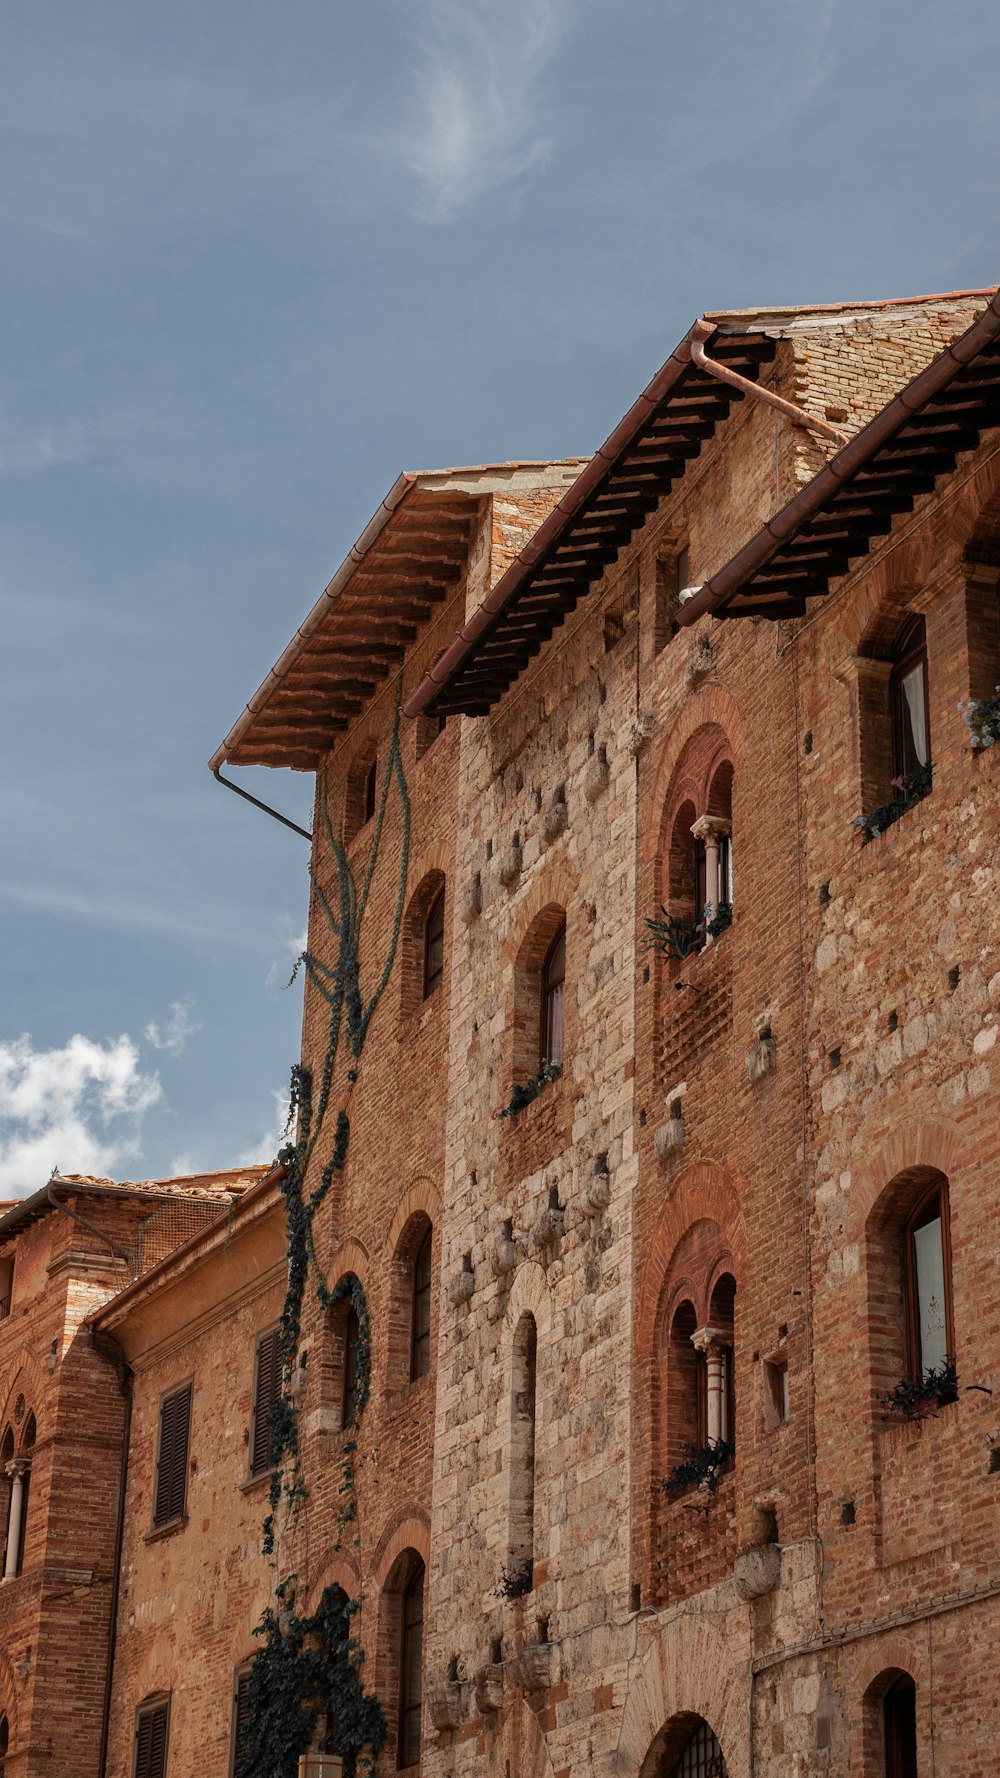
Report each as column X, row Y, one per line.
column 912, row 790
column 670, row 937
column 522, row 1094
column 515, row 1581
column 983, row 719
column 701, row 1468
column 916, row 1398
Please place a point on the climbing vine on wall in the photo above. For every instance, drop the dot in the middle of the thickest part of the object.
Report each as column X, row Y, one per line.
column 303, row 1660
column 307, row 1673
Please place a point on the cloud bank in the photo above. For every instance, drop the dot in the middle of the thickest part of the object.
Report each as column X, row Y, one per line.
column 79, row 1108
column 173, row 1035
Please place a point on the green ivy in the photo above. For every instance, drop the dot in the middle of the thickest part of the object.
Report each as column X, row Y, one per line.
column 307, row 1673
column 309, row 1665
column 523, row 1093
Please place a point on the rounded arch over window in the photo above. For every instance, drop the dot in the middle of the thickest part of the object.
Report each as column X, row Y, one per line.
column 424, row 950
column 695, row 871
column 890, row 1725
column 402, row 1640
column 411, row 1304
column 540, row 1006
column 911, row 1315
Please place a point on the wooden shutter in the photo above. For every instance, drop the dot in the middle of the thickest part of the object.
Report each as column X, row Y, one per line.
column 241, row 1695
column 152, row 1724
column 267, row 1388
column 172, row 1462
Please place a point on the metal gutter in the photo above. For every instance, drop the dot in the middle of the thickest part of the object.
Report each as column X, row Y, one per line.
column 863, row 446
column 355, row 555
column 702, row 331
column 562, row 513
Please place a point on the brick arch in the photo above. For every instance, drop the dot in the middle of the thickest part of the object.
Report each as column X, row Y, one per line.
column 555, row 885
column 337, row 1570
column 981, row 546
column 8, row 1699
column 929, row 1145
column 520, row 1751
column 534, row 934
column 436, row 858
column 421, row 1196
column 712, row 707
column 705, row 1192
column 894, row 1654
column 25, row 1379
column 692, row 1670
column 350, row 1255
column 408, row 1529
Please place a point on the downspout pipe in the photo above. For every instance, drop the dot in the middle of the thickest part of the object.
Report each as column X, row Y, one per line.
column 245, row 794
column 702, row 331
column 108, row 1347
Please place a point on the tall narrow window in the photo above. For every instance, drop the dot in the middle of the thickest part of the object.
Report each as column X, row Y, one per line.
column 352, row 1336
column 370, row 799
column 4, row 1744
column 930, row 1322
column 523, row 1408
column 411, row 1663
column 420, row 1350
column 170, row 1492
column 27, row 1450
column 6, row 1286
column 152, row 1733
column 554, row 1001
column 266, row 1390
column 241, row 1698
column 899, row 1720
column 434, row 945
column 908, row 709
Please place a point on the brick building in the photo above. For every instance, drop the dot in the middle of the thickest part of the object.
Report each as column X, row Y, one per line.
column 64, row 1401
column 650, row 1127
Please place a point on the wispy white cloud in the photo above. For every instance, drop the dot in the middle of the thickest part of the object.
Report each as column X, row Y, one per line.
column 271, row 1139
column 78, row 1107
column 173, row 1035
column 477, row 118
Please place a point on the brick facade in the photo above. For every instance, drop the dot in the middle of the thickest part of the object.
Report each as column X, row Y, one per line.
column 731, row 1150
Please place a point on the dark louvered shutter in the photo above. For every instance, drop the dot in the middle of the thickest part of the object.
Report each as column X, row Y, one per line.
column 172, row 1466
column 241, row 1695
column 267, row 1388
column 151, row 1729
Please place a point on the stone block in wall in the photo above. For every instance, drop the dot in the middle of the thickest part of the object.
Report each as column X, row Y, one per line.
column 700, row 664
column 537, row 1667
column 596, row 777
column 509, row 865
column 761, row 1058
column 470, row 904
column 555, row 819
column 489, row 1688
column 503, row 1259
column 757, row 1571
column 596, row 1193
column 640, row 735
column 669, row 1138
column 445, row 1701
column 462, row 1287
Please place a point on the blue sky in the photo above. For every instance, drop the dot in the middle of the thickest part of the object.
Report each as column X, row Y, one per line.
column 257, row 260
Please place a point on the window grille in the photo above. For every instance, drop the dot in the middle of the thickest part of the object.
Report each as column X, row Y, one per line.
column 434, row 946
column 702, row 1757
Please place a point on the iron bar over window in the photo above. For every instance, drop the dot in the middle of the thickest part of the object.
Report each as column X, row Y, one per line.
column 434, row 945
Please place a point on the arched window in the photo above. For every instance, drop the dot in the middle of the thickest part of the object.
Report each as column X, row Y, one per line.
column 434, row 945
column 899, row 1728
column 521, row 1541
column 927, row 1263
column 908, row 708
column 370, row 797
column 701, row 1757
column 411, row 1658
column 349, row 1369
column 420, row 1343
column 17, row 1471
column 553, row 1006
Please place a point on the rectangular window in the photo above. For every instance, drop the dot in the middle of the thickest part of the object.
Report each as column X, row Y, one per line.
column 152, row 1732
column 170, row 1492
column 266, row 1390
column 671, row 579
column 6, row 1286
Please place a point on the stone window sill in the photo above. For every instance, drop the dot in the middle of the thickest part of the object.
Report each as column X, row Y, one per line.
column 167, row 1530
column 251, row 1483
